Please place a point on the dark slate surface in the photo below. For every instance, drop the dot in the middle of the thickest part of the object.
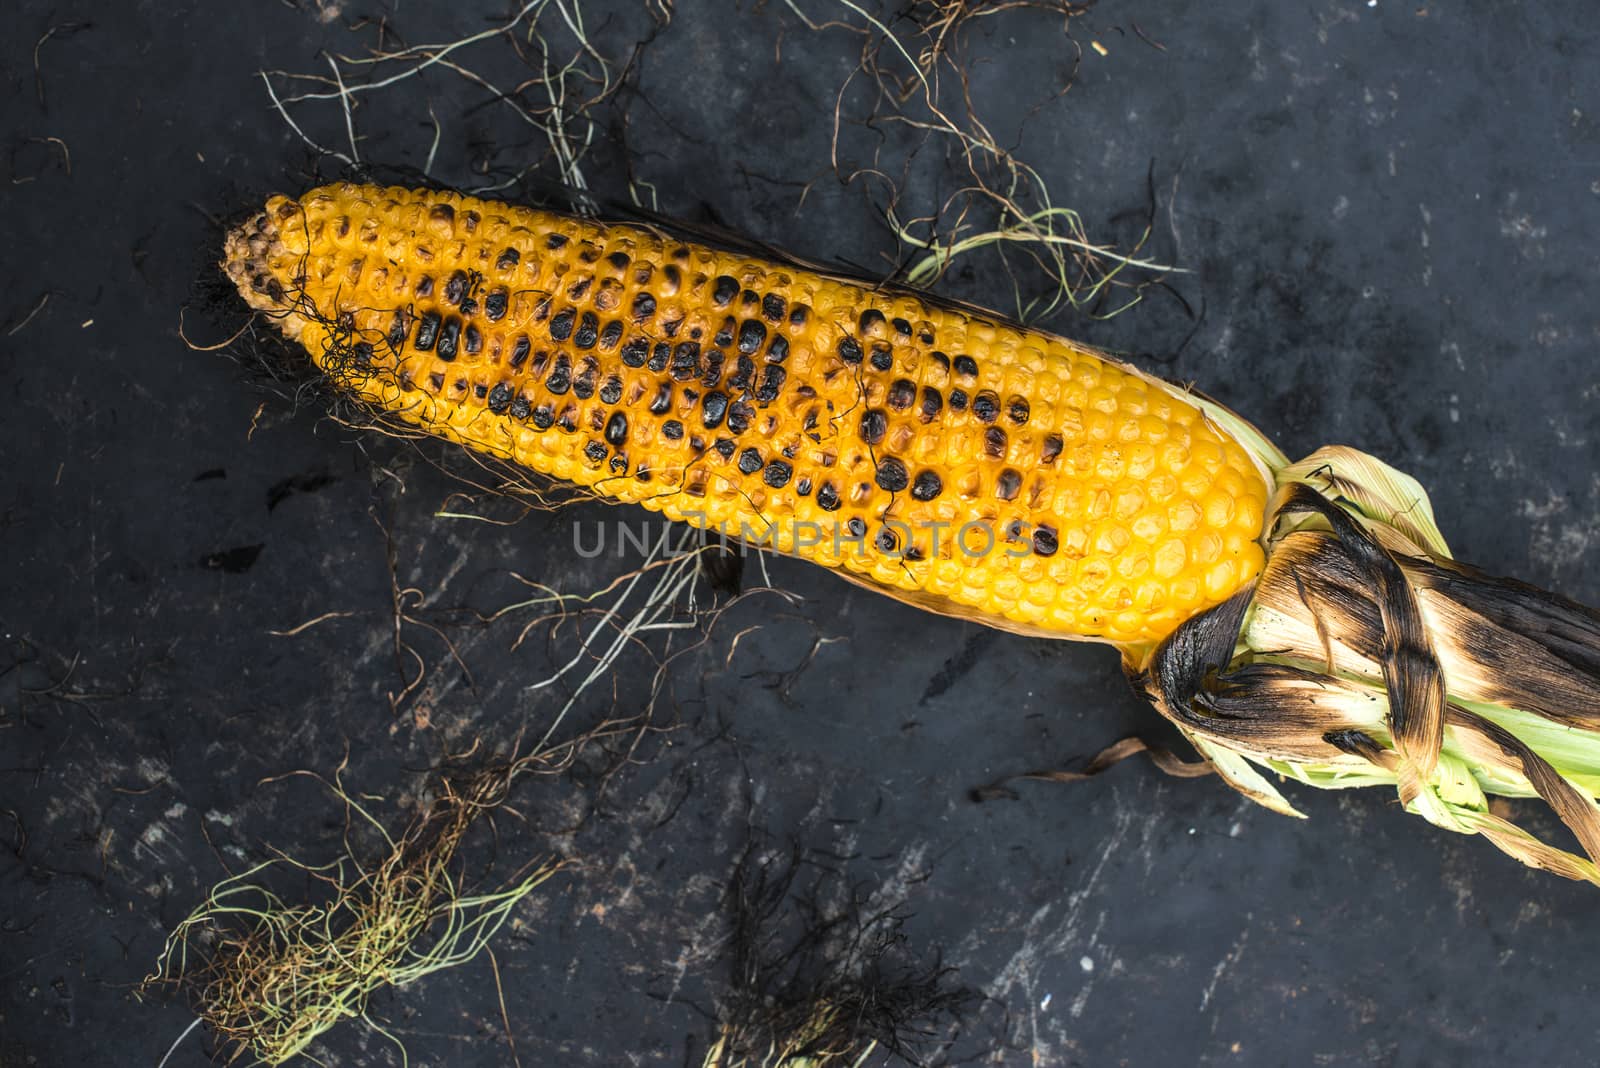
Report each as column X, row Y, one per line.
column 1390, row 213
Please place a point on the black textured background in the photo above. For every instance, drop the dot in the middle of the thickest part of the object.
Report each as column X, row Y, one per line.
column 1390, row 214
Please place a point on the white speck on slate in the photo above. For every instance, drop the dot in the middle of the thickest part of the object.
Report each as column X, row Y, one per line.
column 1086, row 963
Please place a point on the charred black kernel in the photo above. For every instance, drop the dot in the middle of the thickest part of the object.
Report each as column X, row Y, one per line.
column 882, row 358
column 594, row 451
column 778, row 351
column 643, row 474
column 455, row 290
column 711, row 372
column 472, row 340
column 874, row 425
column 425, row 286
column 583, row 383
column 849, row 350
column 886, row 541
column 619, row 260
column 644, row 306
column 778, row 473
column 749, row 296
column 1013, row 530
column 670, row 327
column 994, row 443
column 966, row 365
column 752, row 333
column 560, row 379
column 449, row 337
column 827, row 497
column 520, row 407
column 926, row 337
column 870, row 320
column 611, row 335
column 686, row 360
column 662, row 402
column 588, row 331
column 941, row 359
column 1007, row 486
column 932, row 402
column 856, row 526
column 690, row 396
column 568, row 419
column 696, row 333
column 714, row 409
column 617, row 428
column 397, row 331
column 427, row 331
column 673, row 276
column 1017, row 410
column 724, row 446
column 555, row 241
column 494, row 305
column 561, row 325
column 803, row 487
column 480, row 390
column 771, row 384
column 901, row 327
column 509, row 258
column 436, row 380
column 1044, row 541
column 519, row 351
column 635, row 352
column 958, row 400
column 927, row 486
column 892, row 475
column 672, row 430
column 739, row 416
column 541, row 360
column 499, row 398
column 750, row 461
column 660, row 355
column 723, row 290
column 772, row 307
column 361, row 355
column 611, row 392
column 619, row 464
column 469, row 307
column 543, row 416
column 798, row 315
column 579, row 289
column 986, row 406
column 541, row 310
column 901, row 393
column 743, row 373
column 724, row 334
column 1051, row 449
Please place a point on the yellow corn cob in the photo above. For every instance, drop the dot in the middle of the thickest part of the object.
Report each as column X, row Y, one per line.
column 873, row 432
column 971, row 467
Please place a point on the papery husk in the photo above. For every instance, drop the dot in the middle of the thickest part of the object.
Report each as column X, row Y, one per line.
column 1364, row 655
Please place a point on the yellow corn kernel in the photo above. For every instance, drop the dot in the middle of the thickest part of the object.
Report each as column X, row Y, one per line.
column 969, row 466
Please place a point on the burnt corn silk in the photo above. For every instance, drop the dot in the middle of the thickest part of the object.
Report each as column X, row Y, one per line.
column 1304, row 619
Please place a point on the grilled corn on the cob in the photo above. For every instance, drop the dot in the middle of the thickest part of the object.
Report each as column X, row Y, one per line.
column 1300, row 618
column 956, row 461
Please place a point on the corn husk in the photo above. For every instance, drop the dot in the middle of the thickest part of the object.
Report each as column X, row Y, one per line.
column 1365, row 655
